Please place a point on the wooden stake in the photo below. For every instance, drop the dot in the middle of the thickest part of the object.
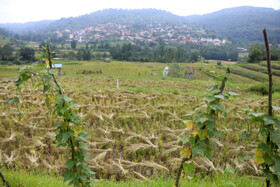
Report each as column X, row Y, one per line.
column 3, row 179
column 269, row 88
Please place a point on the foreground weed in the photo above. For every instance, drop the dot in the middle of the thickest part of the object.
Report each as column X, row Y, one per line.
column 202, row 128
column 69, row 126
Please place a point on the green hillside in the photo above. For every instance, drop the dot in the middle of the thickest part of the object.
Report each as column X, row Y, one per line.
column 242, row 23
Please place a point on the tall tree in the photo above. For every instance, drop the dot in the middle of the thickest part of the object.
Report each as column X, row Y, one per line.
column 27, row 53
column 255, row 53
column 73, row 44
column 6, row 52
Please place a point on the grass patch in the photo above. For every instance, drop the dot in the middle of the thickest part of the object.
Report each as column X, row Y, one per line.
column 263, row 88
column 33, row 179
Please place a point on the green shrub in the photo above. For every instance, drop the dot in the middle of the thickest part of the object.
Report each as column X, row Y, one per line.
column 248, row 75
column 175, row 70
column 263, row 88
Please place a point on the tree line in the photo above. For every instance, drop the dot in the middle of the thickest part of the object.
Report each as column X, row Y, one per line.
column 23, row 55
column 172, row 53
column 257, row 53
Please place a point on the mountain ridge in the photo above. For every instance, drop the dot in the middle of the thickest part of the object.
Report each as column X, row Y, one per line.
column 243, row 23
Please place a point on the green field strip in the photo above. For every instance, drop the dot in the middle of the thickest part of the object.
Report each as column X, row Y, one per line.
column 273, row 66
column 260, row 69
column 247, row 73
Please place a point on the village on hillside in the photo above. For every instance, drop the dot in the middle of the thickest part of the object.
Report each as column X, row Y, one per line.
column 152, row 33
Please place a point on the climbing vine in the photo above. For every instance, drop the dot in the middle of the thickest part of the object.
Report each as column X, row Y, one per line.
column 68, row 127
column 267, row 153
column 202, row 127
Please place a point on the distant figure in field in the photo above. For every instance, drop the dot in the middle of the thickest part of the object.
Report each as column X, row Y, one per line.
column 165, row 71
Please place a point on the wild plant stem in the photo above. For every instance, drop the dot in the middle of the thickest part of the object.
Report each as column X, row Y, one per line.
column 4, row 180
column 269, row 89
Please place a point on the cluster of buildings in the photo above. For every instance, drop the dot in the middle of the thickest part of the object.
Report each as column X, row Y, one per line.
column 151, row 33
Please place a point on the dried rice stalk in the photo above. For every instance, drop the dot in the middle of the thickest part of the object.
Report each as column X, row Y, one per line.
column 38, row 143
column 140, row 176
column 11, row 138
column 33, row 158
column 146, row 139
column 136, row 147
column 209, row 164
column 119, row 165
column 11, row 159
column 217, row 142
column 171, row 150
column 153, row 164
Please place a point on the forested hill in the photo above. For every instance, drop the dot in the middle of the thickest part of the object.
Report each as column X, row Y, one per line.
column 240, row 23
column 21, row 28
column 243, row 23
column 136, row 18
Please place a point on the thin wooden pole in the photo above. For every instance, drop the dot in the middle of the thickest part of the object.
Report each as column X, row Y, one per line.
column 3, row 179
column 269, row 73
column 50, row 61
column 269, row 88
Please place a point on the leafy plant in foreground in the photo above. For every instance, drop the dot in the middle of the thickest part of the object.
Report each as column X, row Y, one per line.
column 68, row 128
column 267, row 153
column 202, row 128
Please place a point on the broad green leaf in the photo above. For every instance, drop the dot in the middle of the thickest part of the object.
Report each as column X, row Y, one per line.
column 208, row 152
column 275, row 108
column 25, row 77
column 46, row 88
column 65, row 98
column 263, row 147
column 82, row 136
column 277, row 164
column 267, row 120
column 198, row 150
column 276, row 122
column 217, row 133
column 233, row 94
column 70, row 163
column 219, row 108
column 276, row 137
column 47, row 101
column 202, row 120
column 220, row 96
column 52, row 72
column 192, row 140
column 65, row 135
column 57, row 124
column 13, row 100
column 48, row 78
column 268, row 160
column 211, row 98
column 202, row 133
column 211, row 125
column 185, row 139
column 22, row 69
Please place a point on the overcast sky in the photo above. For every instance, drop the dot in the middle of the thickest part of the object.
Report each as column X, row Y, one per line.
column 20, row 11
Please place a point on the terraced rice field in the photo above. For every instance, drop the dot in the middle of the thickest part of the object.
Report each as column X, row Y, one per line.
column 134, row 131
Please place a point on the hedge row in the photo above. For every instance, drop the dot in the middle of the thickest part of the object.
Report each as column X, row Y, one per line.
column 259, row 69
column 262, row 88
column 272, row 66
column 246, row 74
